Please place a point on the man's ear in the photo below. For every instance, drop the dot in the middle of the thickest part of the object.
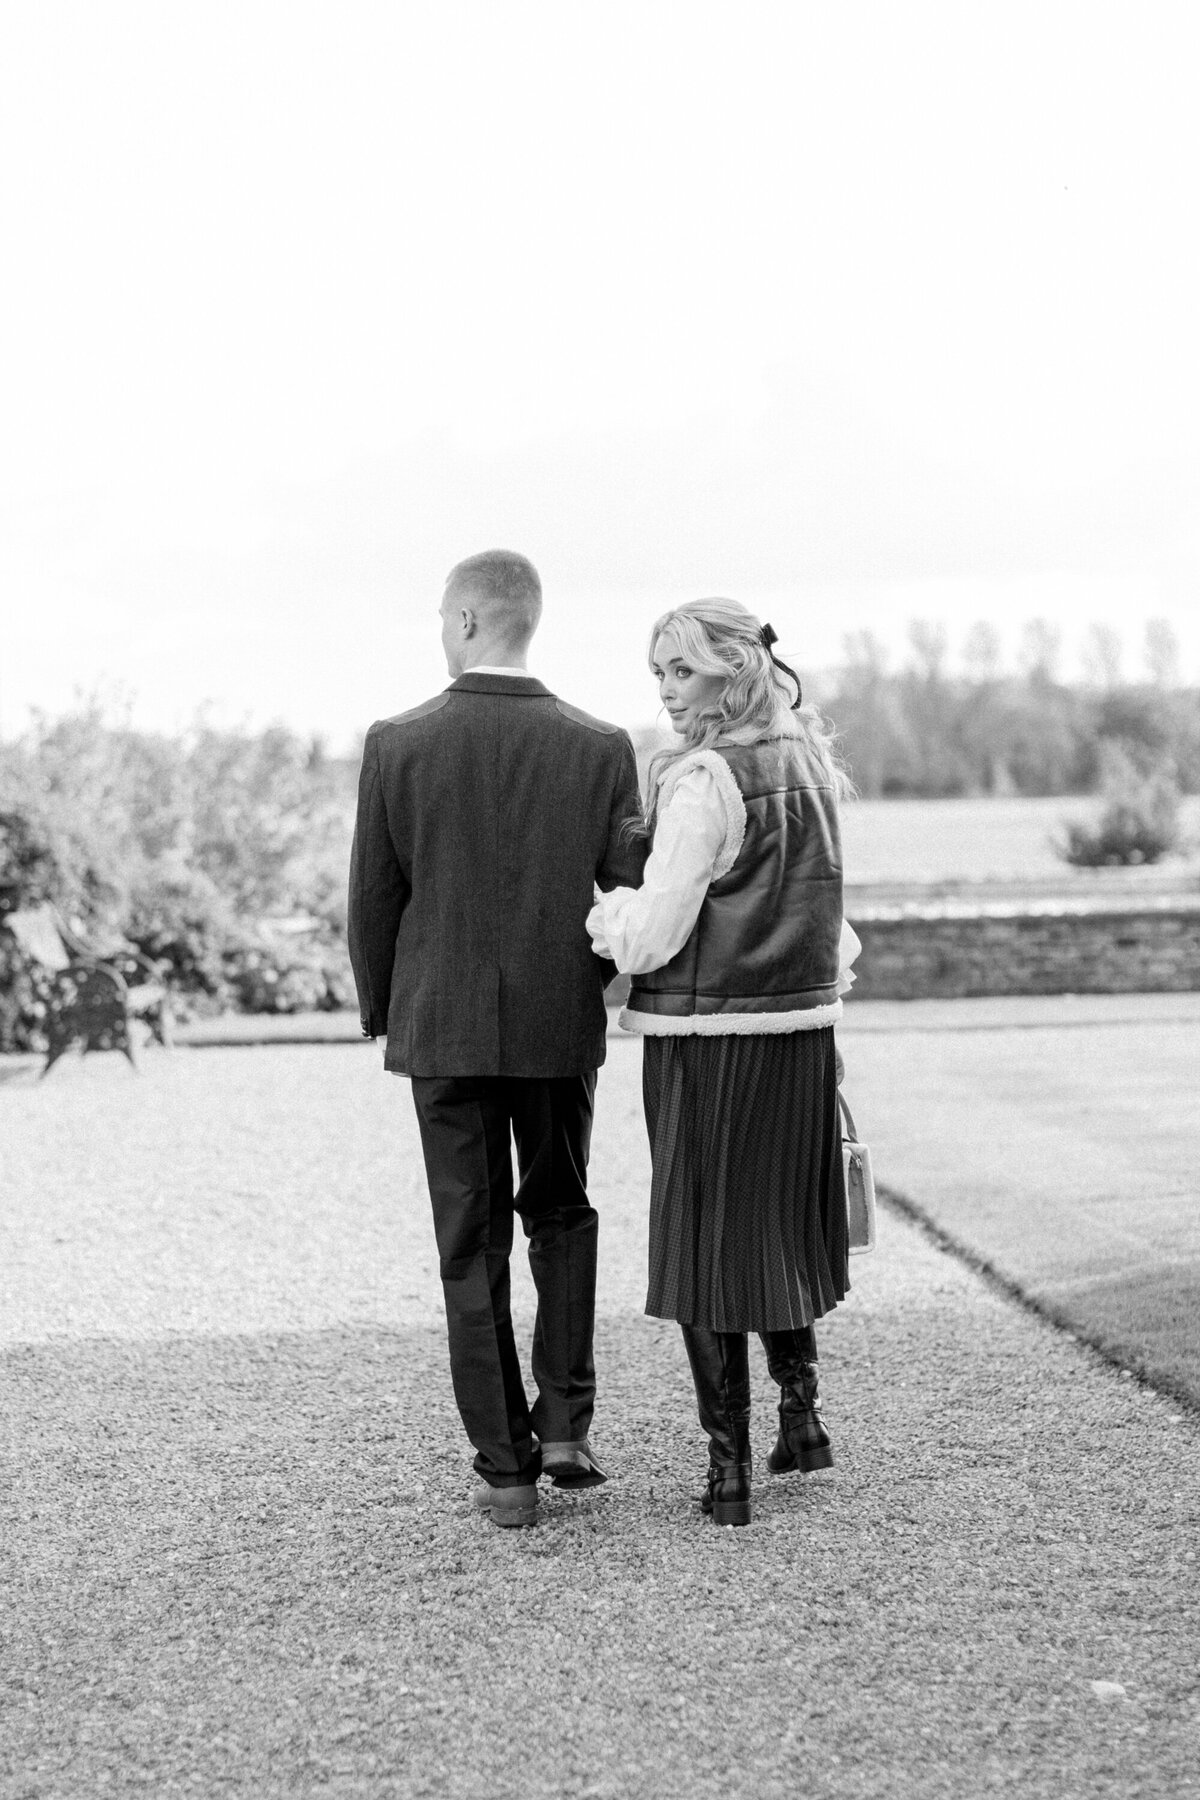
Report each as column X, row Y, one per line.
column 469, row 626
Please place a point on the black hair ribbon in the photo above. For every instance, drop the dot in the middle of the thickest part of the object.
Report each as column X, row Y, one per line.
column 769, row 637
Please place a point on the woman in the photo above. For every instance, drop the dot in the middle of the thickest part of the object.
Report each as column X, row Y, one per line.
column 733, row 943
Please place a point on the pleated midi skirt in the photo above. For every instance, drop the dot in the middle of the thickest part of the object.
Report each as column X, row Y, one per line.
column 747, row 1203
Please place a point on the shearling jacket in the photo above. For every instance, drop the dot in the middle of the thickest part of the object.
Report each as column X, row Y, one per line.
column 485, row 816
column 763, row 954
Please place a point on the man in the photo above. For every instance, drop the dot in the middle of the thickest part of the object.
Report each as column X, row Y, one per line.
column 485, row 816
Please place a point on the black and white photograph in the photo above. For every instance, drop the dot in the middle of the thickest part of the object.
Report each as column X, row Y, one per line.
column 599, row 900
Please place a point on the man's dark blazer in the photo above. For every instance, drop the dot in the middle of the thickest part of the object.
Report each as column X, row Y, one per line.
column 484, row 818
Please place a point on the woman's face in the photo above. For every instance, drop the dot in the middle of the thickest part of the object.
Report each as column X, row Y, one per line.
column 683, row 691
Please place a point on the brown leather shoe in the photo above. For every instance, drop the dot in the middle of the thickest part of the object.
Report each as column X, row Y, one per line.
column 508, row 1505
column 572, row 1465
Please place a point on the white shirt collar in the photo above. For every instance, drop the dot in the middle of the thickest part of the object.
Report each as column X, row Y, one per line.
column 495, row 669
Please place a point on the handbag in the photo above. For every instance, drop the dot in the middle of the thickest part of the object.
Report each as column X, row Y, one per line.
column 860, row 1185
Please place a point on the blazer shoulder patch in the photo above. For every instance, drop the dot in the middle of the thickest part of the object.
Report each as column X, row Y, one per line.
column 418, row 712
column 577, row 716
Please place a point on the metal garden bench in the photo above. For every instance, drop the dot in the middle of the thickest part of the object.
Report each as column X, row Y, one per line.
column 93, row 998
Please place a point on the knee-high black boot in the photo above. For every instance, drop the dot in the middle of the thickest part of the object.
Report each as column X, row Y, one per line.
column 721, row 1372
column 803, row 1441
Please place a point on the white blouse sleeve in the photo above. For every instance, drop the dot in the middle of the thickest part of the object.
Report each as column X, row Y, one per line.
column 848, row 950
column 642, row 928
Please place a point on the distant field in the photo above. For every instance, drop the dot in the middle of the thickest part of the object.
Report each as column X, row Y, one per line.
column 901, row 841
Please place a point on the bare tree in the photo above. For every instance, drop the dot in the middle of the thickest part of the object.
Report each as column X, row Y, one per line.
column 982, row 651
column 866, row 654
column 1162, row 653
column 1102, row 655
column 1040, row 649
column 867, row 712
column 929, row 644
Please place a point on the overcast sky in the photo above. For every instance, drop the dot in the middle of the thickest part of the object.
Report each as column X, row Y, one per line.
column 858, row 312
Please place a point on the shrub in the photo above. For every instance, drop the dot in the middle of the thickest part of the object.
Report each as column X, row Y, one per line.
column 37, row 865
column 1140, row 820
column 186, row 847
column 29, row 871
column 23, row 998
column 180, row 921
column 277, row 973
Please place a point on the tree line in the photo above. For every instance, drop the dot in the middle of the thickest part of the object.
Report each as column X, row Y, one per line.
column 222, row 854
column 925, row 730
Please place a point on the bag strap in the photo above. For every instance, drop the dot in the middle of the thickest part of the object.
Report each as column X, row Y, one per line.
column 850, row 1134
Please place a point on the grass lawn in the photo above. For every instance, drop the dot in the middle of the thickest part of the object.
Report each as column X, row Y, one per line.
column 895, row 842
column 1065, row 1152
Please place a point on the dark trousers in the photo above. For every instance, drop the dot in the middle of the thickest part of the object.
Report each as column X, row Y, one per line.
column 468, row 1125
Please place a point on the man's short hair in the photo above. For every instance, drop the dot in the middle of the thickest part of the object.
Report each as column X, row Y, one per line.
column 504, row 585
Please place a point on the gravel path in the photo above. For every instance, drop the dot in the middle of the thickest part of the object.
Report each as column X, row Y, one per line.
column 235, row 1505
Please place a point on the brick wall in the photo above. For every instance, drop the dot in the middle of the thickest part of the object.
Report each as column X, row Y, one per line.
column 928, row 951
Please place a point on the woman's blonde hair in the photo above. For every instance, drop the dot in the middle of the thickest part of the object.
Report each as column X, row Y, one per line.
column 759, row 700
